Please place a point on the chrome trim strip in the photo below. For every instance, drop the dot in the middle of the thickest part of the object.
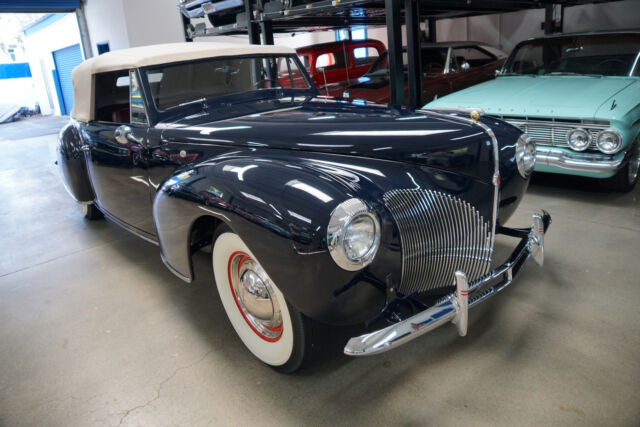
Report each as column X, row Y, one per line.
column 173, row 270
column 595, row 163
column 453, row 307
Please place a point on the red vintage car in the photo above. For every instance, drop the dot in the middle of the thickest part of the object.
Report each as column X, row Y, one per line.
column 341, row 61
column 446, row 67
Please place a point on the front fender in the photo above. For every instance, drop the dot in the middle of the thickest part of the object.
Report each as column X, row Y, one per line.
column 279, row 202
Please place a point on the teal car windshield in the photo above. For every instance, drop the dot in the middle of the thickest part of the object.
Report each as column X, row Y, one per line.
column 601, row 55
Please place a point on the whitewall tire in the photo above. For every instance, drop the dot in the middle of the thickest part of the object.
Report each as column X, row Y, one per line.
column 268, row 326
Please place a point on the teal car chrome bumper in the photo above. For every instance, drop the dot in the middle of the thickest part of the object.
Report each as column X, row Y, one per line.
column 561, row 160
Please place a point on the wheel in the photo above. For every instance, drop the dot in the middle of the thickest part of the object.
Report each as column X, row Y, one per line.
column 627, row 177
column 90, row 211
column 273, row 330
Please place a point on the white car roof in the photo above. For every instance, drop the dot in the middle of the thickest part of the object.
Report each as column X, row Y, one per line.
column 144, row 56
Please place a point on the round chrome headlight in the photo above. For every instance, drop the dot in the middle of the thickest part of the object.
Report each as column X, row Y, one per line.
column 578, row 139
column 353, row 235
column 609, row 141
column 525, row 155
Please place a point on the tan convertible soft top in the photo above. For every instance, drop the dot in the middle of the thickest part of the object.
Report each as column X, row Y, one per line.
column 126, row 59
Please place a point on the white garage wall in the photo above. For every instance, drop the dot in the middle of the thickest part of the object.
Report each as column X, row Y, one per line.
column 507, row 29
column 106, row 23
column 609, row 16
column 38, row 47
column 152, row 21
column 127, row 23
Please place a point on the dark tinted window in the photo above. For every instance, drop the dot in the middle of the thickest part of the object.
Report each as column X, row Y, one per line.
column 112, row 97
column 174, row 85
column 472, row 56
column 608, row 55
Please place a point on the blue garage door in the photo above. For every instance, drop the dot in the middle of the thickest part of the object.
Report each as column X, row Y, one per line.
column 65, row 61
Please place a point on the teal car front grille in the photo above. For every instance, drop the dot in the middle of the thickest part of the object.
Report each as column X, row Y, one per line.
column 554, row 131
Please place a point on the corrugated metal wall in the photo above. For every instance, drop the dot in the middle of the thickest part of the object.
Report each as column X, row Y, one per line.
column 66, row 60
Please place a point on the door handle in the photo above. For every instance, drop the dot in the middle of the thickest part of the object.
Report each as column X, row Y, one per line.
column 85, row 147
column 124, row 135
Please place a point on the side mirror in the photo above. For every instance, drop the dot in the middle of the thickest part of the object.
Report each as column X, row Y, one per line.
column 465, row 66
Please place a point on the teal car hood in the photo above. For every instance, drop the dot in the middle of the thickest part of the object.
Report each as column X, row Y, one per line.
column 577, row 97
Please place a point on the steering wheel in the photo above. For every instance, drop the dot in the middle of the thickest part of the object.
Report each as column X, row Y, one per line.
column 619, row 61
column 273, row 81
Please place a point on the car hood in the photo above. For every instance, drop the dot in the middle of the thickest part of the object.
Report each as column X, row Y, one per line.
column 571, row 97
column 356, row 129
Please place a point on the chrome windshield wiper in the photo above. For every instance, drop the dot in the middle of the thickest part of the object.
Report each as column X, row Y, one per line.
column 568, row 73
column 202, row 101
column 516, row 74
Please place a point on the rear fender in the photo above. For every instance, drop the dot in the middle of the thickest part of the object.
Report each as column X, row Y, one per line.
column 72, row 163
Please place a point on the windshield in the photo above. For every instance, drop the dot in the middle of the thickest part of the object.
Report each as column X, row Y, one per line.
column 186, row 83
column 604, row 55
column 433, row 62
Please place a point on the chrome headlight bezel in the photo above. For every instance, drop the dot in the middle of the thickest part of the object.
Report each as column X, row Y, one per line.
column 341, row 217
column 525, row 155
column 616, row 134
column 587, row 136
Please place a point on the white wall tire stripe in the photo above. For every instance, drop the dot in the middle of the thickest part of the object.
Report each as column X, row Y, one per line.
column 275, row 353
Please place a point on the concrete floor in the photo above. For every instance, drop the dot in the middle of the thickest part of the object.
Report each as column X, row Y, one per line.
column 95, row 331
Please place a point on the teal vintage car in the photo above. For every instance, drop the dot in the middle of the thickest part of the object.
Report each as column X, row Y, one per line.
column 577, row 96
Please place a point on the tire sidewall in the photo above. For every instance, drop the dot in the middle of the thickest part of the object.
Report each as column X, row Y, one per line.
column 276, row 353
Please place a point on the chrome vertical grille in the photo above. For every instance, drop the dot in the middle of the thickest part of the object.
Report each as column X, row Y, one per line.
column 439, row 235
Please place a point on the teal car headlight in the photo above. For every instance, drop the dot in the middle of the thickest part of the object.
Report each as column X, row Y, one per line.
column 578, row 139
column 609, row 141
column 525, row 155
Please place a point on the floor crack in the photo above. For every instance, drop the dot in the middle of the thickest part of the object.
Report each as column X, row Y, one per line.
column 159, row 388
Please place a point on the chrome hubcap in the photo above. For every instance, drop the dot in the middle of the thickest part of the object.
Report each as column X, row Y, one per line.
column 255, row 296
column 634, row 163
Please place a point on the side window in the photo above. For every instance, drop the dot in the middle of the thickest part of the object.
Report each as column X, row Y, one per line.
column 470, row 56
column 331, row 61
column 364, row 56
column 138, row 113
column 111, row 98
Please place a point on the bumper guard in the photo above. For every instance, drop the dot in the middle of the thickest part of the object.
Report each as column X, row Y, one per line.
column 455, row 306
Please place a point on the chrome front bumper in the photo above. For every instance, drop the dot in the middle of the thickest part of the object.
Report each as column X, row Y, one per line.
column 578, row 162
column 454, row 307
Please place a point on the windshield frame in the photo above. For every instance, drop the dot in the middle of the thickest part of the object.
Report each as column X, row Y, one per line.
column 634, row 70
column 156, row 115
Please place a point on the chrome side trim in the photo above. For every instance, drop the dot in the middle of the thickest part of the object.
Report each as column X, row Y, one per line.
column 439, row 233
column 173, row 270
column 590, row 163
column 453, row 307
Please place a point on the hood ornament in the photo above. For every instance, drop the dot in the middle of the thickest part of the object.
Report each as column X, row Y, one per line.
column 613, row 104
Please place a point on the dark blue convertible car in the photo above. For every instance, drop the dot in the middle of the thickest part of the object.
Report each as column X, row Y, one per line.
column 316, row 210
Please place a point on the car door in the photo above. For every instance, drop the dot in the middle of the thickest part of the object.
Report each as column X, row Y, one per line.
column 116, row 150
column 469, row 66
